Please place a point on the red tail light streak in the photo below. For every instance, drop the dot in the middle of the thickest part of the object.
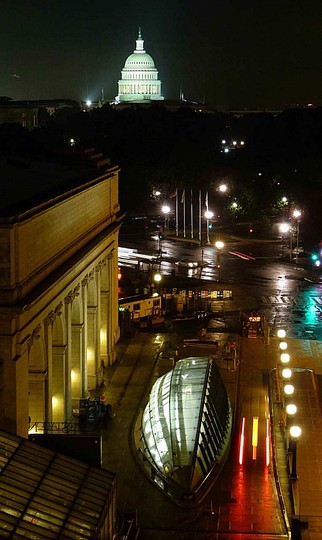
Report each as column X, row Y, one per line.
column 255, row 441
column 242, row 255
column 242, row 442
column 267, row 443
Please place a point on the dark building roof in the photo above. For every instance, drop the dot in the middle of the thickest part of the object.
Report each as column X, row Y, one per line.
column 44, row 494
column 27, row 181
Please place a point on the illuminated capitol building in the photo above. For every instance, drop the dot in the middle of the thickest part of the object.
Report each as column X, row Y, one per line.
column 139, row 78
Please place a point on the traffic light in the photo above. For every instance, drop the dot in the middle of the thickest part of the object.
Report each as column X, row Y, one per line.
column 315, row 259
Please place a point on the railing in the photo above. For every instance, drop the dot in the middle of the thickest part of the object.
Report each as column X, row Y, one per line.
column 54, row 427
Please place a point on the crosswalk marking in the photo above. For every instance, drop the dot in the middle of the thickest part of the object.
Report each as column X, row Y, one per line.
column 279, row 300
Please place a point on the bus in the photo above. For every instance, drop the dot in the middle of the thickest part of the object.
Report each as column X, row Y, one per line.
column 144, row 306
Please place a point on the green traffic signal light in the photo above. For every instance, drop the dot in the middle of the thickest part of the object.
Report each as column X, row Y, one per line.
column 314, row 257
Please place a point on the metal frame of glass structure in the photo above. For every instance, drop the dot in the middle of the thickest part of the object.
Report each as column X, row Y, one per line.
column 46, row 495
column 186, row 425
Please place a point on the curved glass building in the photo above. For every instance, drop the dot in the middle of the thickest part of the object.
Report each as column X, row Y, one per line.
column 186, row 426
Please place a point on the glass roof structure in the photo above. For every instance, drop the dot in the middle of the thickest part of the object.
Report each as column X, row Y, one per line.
column 186, row 424
column 46, row 495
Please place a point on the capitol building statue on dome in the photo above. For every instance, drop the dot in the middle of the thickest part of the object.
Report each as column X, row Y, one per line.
column 139, row 78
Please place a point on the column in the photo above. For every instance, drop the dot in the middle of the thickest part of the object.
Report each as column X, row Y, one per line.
column 48, row 322
column 93, row 360
column 83, row 367
column 68, row 358
column 76, row 363
column 98, row 363
column 58, row 395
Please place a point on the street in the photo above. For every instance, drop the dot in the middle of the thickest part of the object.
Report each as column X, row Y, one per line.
column 289, row 295
column 244, row 500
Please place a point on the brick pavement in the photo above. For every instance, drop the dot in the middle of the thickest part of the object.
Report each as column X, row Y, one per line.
column 307, row 490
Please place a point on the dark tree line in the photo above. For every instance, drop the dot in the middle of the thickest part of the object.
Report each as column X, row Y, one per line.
column 181, row 149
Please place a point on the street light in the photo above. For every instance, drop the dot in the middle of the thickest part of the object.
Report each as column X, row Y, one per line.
column 286, row 373
column 157, row 277
column 285, row 358
column 297, row 215
column 295, row 433
column 282, row 345
column 165, row 209
column 284, row 228
column 219, row 245
column 291, row 410
column 289, row 389
column 223, row 188
column 208, row 215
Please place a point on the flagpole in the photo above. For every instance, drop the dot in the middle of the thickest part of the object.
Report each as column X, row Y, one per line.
column 177, row 214
column 207, row 223
column 191, row 212
column 183, row 200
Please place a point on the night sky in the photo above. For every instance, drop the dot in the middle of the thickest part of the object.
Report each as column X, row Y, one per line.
column 233, row 53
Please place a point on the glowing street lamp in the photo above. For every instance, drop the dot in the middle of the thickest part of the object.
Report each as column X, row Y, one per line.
column 285, row 358
column 208, row 215
column 295, row 433
column 284, row 229
column 157, row 277
column 223, row 188
column 289, row 389
column 286, row 373
column 219, row 245
column 297, row 215
column 290, row 410
column 165, row 209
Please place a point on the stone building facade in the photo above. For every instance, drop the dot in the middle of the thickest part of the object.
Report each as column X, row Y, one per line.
column 58, row 300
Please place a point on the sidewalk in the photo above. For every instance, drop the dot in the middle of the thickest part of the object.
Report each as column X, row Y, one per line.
column 305, row 491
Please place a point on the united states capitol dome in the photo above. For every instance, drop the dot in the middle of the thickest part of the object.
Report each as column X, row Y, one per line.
column 139, row 61
column 139, row 78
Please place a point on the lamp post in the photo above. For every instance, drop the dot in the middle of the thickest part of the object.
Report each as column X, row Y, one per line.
column 284, row 228
column 297, row 215
column 291, row 410
column 165, row 209
column 156, row 278
column 208, row 215
column 286, row 373
column 285, row 358
column 219, row 245
column 281, row 333
column 282, row 346
column 295, row 433
column 223, row 188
